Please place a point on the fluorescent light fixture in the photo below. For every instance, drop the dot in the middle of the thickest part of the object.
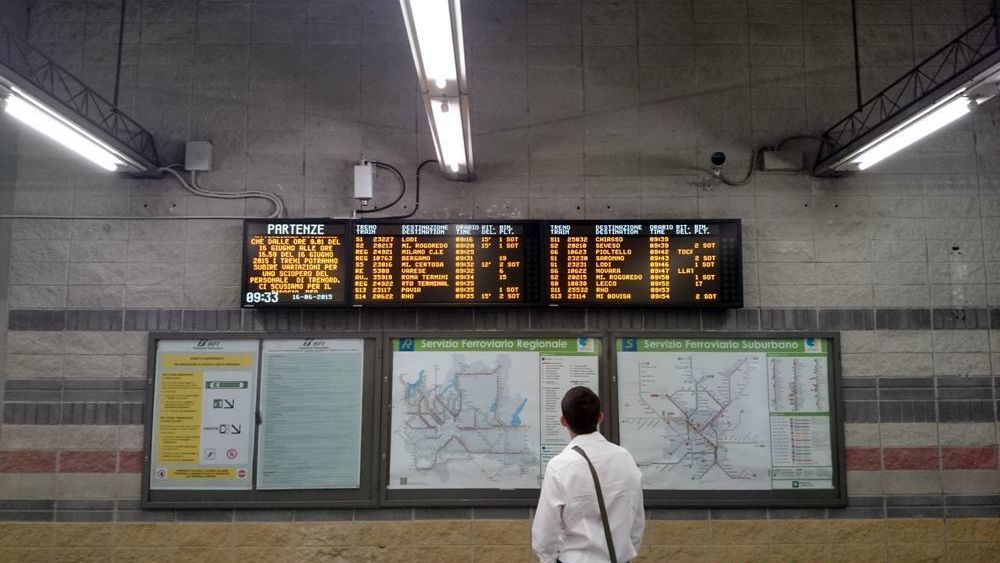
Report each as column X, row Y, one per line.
column 434, row 28
column 447, row 123
column 35, row 115
column 915, row 129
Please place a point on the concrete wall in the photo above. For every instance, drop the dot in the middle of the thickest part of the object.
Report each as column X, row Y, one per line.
column 14, row 15
column 581, row 109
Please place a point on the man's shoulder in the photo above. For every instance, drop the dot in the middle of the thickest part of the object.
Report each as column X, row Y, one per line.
column 563, row 458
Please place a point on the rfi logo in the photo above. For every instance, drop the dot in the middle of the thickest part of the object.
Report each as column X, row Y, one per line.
column 313, row 343
column 209, row 344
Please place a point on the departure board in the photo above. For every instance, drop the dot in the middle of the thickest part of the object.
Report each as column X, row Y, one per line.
column 294, row 262
column 445, row 263
column 649, row 263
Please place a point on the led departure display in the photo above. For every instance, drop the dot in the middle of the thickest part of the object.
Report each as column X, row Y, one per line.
column 668, row 263
column 445, row 263
column 294, row 262
column 326, row 263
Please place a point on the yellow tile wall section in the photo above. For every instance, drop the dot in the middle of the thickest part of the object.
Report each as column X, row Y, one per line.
column 971, row 540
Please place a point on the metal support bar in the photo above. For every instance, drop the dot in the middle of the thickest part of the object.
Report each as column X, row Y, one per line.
column 964, row 59
column 24, row 67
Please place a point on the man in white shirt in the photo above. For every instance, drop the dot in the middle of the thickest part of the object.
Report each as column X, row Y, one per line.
column 568, row 527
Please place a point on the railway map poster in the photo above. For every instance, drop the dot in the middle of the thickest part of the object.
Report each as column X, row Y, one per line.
column 727, row 414
column 482, row 412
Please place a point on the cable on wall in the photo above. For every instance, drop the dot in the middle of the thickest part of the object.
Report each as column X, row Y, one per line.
column 121, row 43
column 857, row 54
column 416, row 202
column 193, row 187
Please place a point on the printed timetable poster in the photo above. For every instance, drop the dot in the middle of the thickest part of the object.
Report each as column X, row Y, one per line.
column 727, row 414
column 203, row 414
column 474, row 413
column 311, row 408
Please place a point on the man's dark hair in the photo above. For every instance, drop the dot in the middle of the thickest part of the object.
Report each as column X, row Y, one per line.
column 582, row 408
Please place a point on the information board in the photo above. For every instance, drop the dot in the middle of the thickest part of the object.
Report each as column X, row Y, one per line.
column 473, row 416
column 731, row 418
column 310, row 411
column 667, row 263
column 264, row 421
column 203, row 414
column 294, row 262
column 324, row 263
column 444, row 263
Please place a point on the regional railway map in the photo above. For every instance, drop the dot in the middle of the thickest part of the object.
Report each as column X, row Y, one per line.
column 481, row 414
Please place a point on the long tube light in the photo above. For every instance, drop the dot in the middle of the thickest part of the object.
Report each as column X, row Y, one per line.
column 447, row 118
column 940, row 115
column 34, row 114
column 434, row 28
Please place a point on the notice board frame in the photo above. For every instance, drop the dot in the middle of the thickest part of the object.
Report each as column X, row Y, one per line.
column 443, row 498
column 365, row 496
column 790, row 498
column 546, row 261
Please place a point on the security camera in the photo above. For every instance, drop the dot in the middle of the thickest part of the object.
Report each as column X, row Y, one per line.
column 718, row 161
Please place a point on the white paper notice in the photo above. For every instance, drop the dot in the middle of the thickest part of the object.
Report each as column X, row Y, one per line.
column 311, row 407
column 203, row 414
column 558, row 375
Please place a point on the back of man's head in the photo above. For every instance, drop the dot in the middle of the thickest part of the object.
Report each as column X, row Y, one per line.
column 581, row 408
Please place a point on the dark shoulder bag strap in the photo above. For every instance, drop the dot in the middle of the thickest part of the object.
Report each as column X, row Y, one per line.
column 600, row 504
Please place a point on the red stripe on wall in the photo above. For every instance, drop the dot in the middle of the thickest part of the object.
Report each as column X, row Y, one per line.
column 88, row 462
column 27, row 461
column 864, row 459
column 969, row 458
column 911, row 458
column 130, row 462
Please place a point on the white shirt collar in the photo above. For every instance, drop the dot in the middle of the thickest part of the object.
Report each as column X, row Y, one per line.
column 584, row 439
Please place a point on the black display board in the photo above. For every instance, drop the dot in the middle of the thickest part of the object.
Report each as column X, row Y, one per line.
column 437, row 263
column 663, row 263
column 324, row 263
column 732, row 419
column 261, row 420
column 294, row 263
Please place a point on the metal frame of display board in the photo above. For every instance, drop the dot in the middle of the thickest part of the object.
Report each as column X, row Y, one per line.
column 792, row 498
column 540, row 260
column 469, row 497
column 365, row 496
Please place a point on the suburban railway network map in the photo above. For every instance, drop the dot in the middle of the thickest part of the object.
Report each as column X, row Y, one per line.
column 481, row 413
column 712, row 414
